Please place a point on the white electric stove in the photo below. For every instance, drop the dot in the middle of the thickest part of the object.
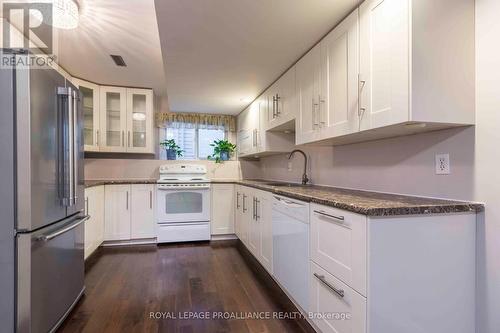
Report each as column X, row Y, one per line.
column 183, row 203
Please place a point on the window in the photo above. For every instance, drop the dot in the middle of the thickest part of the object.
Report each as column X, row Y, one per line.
column 194, row 142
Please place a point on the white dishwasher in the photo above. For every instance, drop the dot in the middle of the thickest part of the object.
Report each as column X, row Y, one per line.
column 291, row 247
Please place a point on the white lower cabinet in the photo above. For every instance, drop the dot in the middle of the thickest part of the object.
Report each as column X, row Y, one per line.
column 117, row 212
column 94, row 226
column 223, row 209
column 254, row 223
column 264, row 208
column 335, row 306
column 142, row 211
column 373, row 274
column 129, row 212
column 338, row 243
column 392, row 273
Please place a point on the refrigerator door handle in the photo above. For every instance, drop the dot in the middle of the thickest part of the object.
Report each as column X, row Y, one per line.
column 72, row 226
column 66, row 147
column 71, row 147
column 75, row 145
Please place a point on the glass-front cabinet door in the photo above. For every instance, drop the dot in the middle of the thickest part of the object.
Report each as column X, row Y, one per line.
column 90, row 105
column 113, row 125
column 139, row 121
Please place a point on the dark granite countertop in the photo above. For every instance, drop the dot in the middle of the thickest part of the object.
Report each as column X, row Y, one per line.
column 99, row 182
column 366, row 202
column 357, row 201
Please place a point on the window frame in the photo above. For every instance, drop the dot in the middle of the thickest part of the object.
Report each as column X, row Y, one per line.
column 163, row 136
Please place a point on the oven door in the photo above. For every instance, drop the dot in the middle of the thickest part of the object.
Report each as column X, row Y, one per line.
column 183, row 205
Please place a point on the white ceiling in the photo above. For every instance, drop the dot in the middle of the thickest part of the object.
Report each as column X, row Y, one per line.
column 220, row 54
column 124, row 27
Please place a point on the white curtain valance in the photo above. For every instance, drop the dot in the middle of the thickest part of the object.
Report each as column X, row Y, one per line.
column 196, row 120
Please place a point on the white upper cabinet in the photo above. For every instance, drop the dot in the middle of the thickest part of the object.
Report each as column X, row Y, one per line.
column 90, row 104
column 338, row 108
column 416, row 66
column 253, row 141
column 280, row 104
column 248, row 130
column 140, row 121
column 308, row 96
column 117, row 119
column 384, row 62
column 113, row 119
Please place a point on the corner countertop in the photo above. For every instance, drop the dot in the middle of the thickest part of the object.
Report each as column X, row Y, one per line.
column 356, row 201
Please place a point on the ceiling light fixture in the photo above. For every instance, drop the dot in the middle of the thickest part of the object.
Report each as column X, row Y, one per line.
column 65, row 14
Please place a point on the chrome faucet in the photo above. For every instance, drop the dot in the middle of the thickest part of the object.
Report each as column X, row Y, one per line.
column 304, row 175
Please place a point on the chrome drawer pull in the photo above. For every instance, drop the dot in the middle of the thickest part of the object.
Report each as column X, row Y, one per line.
column 321, row 278
column 340, row 218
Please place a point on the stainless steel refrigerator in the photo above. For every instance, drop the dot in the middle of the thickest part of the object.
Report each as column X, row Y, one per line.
column 42, row 199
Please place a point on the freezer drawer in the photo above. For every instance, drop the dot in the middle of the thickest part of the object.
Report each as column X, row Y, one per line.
column 50, row 272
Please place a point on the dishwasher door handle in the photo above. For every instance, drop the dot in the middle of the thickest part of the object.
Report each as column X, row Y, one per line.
column 289, row 202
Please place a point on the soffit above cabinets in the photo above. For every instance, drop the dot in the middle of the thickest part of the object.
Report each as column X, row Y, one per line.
column 115, row 27
column 219, row 55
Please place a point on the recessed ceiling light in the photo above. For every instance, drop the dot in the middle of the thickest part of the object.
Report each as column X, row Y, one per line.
column 65, row 14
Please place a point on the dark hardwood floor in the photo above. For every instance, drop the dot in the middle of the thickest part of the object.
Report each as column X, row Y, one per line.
column 126, row 285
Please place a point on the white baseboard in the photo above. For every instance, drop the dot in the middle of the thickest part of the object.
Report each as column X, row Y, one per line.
column 141, row 241
column 223, row 237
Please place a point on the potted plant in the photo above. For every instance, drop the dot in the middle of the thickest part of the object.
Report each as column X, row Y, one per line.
column 223, row 149
column 172, row 149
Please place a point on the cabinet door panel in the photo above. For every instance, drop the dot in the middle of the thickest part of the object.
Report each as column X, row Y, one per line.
column 90, row 105
column 384, row 62
column 254, row 228
column 113, row 122
column 139, row 120
column 222, row 217
column 264, row 213
column 307, row 74
column 98, row 206
column 339, row 80
column 142, row 218
column 325, row 300
column 338, row 244
column 89, row 224
column 117, row 212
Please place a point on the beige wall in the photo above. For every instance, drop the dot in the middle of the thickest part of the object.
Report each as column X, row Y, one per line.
column 399, row 165
column 148, row 169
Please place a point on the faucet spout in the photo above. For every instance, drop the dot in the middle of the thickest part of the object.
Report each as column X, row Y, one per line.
column 304, row 175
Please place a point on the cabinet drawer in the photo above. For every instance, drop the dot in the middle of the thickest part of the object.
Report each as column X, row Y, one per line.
column 335, row 307
column 338, row 244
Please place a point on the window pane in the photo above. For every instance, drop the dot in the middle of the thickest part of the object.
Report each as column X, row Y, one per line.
column 185, row 138
column 205, row 138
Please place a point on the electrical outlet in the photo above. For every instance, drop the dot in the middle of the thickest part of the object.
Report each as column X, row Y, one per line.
column 443, row 164
column 289, row 167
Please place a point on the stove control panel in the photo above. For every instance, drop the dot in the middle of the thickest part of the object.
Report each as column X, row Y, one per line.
column 183, row 169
